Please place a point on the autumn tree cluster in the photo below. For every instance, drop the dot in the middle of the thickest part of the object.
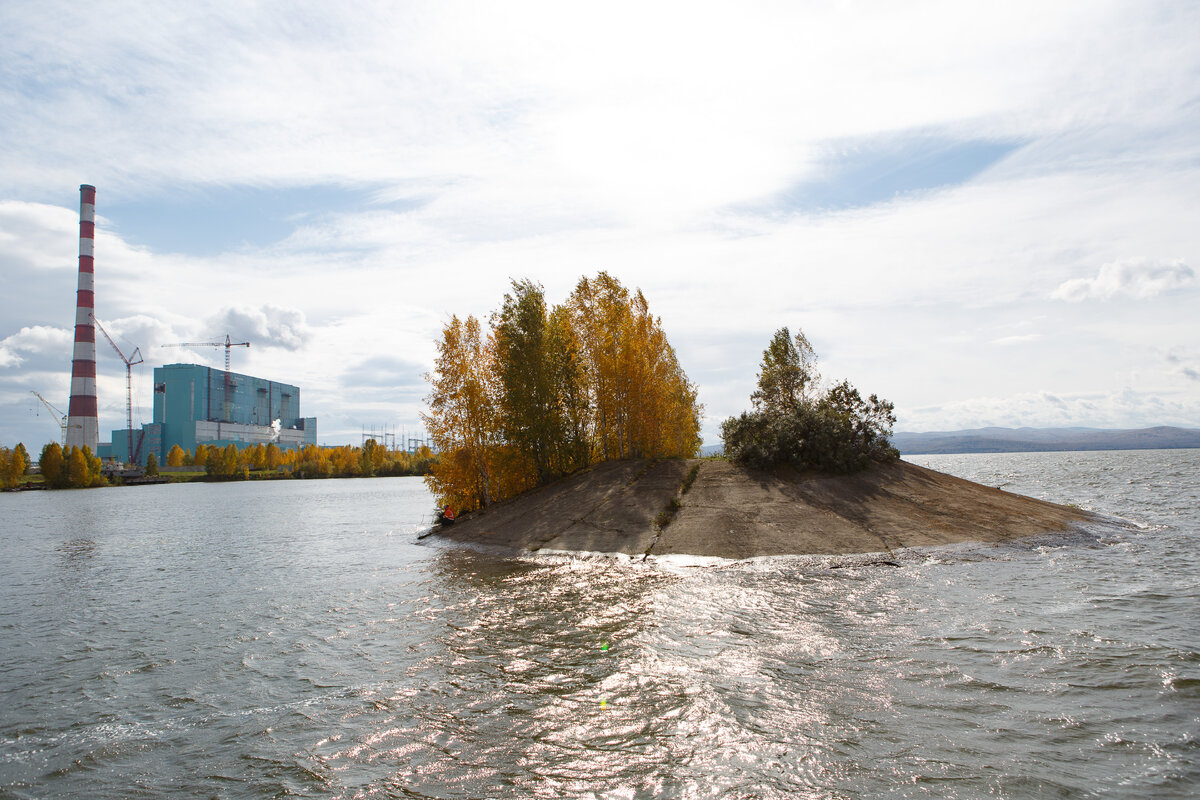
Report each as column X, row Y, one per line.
column 369, row 460
column 73, row 468
column 795, row 422
column 14, row 464
column 545, row 391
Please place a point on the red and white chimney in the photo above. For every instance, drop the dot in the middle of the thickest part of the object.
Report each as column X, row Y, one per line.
column 83, row 423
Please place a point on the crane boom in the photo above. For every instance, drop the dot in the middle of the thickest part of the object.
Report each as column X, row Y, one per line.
column 129, row 362
column 227, row 344
column 53, row 410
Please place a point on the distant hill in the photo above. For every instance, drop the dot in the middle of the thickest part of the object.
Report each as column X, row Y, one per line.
column 1043, row 440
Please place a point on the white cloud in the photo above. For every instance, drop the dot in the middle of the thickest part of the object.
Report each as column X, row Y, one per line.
column 266, row 326
column 38, row 236
column 1185, row 362
column 549, row 141
column 1024, row 338
column 1138, row 278
column 36, row 340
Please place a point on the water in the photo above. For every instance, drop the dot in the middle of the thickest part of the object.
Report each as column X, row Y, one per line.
column 292, row 639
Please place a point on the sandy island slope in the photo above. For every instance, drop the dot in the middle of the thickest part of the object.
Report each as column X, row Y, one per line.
column 732, row 512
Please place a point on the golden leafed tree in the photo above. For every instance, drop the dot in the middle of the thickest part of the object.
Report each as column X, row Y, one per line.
column 463, row 421
column 551, row 390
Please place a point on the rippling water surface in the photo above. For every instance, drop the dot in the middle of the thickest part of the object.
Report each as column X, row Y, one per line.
column 292, row 639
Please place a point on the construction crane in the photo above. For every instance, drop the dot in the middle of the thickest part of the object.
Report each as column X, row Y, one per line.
column 227, row 344
column 57, row 414
column 129, row 362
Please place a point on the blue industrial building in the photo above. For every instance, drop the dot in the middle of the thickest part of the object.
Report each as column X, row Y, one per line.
column 195, row 404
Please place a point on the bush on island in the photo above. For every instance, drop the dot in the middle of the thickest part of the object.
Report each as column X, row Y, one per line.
column 794, row 423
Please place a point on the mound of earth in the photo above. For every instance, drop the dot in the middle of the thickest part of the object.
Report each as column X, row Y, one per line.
column 731, row 512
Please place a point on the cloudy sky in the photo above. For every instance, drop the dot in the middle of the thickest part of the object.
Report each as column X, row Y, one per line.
column 986, row 213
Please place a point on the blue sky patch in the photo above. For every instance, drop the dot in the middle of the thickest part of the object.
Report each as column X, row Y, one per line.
column 865, row 172
column 213, row 220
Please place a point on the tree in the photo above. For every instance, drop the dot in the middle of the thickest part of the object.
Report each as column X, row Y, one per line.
column 531, row 415
column 53, row 466
column 152, row 464
column 257, row 457
column 371, row 458
column 787, row 374
column 220, row 462
column 176, row 456
column 642, row 404
column 463, row 418
column 9, row 476
column 229, row 461
column 78, row 474
column 834, row 431
column 21, row 458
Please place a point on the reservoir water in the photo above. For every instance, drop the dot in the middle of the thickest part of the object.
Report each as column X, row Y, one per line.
column 294, row 639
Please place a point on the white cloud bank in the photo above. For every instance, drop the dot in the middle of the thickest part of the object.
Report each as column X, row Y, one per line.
column 1137, row 278
column 497, row 141
column 41, row 340
column 266, row 326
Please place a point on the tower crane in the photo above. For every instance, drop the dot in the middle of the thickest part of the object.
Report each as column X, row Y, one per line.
column 227, row 344
column 129, row 362
column 62, row 418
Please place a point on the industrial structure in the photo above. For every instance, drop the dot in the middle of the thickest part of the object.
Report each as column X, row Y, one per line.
column 195, row 404
column 129, row 363
column 192, row 405
column 60, row 417
column 83, row 421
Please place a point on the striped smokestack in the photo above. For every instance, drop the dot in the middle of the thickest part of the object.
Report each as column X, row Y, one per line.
column 83, row 423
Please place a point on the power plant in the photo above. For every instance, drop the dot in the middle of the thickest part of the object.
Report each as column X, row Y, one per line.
column 192, row 405
column 195, row 404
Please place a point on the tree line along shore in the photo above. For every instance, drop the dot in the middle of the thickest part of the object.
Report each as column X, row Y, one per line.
column 76, row 468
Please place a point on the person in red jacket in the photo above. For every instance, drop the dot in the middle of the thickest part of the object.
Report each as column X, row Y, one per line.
column 447, row 516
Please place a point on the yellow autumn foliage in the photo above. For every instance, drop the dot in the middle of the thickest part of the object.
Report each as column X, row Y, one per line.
column 548, row 391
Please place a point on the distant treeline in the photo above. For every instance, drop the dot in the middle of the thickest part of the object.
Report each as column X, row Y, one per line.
column 79, row 468
column 369, row 460
column 549, row 390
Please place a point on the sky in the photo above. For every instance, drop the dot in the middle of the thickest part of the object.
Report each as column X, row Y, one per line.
column 983, row 212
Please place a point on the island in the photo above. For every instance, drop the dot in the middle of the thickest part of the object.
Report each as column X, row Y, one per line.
column 574, row 428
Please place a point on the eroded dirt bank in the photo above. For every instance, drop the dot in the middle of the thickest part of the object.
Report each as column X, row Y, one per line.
column 731, row 512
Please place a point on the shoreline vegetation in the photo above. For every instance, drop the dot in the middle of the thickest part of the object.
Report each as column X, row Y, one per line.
column 78, row 468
